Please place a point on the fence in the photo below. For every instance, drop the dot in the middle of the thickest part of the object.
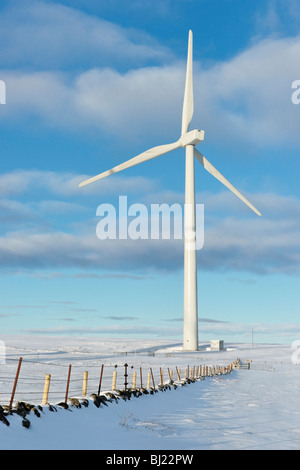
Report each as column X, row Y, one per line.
column 30, row 385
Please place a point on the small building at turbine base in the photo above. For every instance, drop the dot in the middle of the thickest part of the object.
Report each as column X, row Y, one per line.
column 216, row 345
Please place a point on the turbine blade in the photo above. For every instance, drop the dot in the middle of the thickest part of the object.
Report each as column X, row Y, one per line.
column 213, row 171
column 188, row 102
column 143, row 157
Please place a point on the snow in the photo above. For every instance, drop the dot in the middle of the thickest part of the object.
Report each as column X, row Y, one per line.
column 246, row 409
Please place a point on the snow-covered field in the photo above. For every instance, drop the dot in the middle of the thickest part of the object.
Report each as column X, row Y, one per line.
column 247, row 409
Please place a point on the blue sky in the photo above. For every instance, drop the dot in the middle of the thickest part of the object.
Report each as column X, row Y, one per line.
column 92, row 84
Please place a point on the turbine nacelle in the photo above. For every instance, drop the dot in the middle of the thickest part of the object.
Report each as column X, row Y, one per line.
column 191, row 138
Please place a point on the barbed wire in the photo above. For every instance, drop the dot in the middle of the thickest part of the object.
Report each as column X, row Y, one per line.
column 31, row 381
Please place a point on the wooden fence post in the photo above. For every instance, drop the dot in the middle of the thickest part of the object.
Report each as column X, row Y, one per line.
column 15, row 384
column 134, row 381
column 46, row 389
column 152, row 378
column 100, row 381
column 68, row 383
column 141, row 377
column 148, row 381
column 114, row 383
column 85, row 380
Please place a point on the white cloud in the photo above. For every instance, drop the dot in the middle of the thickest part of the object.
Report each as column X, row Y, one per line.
column 146, row 100
column 284, row 333
column 52, row 36
column 234, row 241
column 246, row 99
column 143, row 102
column 34, row 235
column 65, row 184
column 119, row 330
column 267, row 245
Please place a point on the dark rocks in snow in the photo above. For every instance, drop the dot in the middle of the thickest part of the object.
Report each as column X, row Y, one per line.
column 26, row 423
column 96, row 400
column 111, row 396
column 125, row 394
column 64, row 405
column 3, row 415
column 164, row 387
column 75, row 402
column 37, row 410
column 21, row 409
column 52, row 408
column 103, row 399
column 99, row 399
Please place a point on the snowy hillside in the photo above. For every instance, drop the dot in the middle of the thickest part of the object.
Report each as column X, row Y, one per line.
column 246, row 409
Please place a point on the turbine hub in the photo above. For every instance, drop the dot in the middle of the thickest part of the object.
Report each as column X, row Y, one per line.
column 192, row 138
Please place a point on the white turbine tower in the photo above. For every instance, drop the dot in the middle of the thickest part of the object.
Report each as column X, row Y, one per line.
column 188, row 139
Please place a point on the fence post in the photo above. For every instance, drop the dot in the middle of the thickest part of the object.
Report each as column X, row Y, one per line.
column 85, row 380
column 100, row 381
column 161, row 377
column 68, row 383
column 141, row 377
column 125, row 375
column 15, row 384
column 46, row 389
column 134, row 381
column 148, row 381
column 152, row 377
column 114, row 383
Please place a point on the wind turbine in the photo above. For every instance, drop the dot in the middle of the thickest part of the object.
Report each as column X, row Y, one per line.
column 188, row 140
